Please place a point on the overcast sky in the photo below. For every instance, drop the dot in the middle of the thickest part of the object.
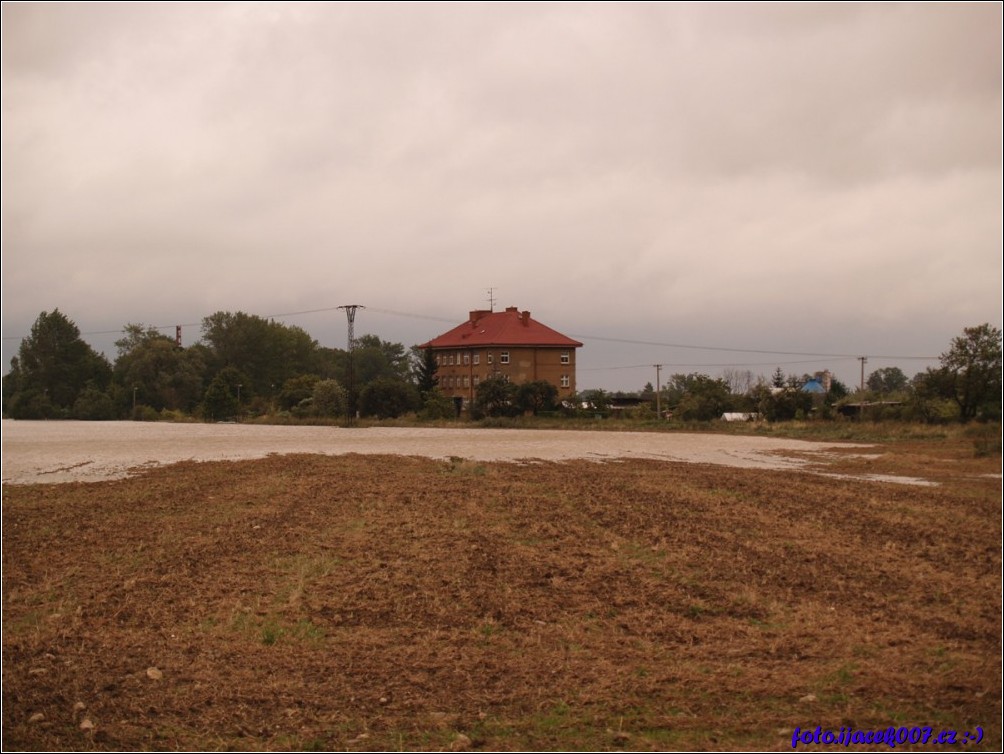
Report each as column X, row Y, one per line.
column 807, row 179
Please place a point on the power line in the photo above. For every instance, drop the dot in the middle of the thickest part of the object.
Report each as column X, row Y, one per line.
column 627, row 341
column 743, row 350
column 414, row 316
column 704, row 366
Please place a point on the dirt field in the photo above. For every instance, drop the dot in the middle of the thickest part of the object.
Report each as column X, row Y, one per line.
column 355, row 602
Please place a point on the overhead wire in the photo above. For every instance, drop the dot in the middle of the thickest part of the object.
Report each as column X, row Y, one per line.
column 602, row 338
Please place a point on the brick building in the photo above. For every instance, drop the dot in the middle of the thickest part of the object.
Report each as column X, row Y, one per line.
column 511, row 344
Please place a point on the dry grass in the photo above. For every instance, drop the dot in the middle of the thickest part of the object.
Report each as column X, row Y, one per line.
column 368, row 603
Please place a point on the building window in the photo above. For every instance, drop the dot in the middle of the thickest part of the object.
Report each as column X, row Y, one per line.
column 467, row 359
column 565, row 357
column 504, row 357
column 476, row 380
column 491, row 358
column 477, row 359
column 467, row 381
column 437, row 360
column 565, row 382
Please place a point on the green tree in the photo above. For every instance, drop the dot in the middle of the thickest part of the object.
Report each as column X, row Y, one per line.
column 435, row 405
column 887, row 380
column 162, row 375
column 930, row 397
column 536, row 396
column 781, row 404
column 704, row 398
column 838, row 390
column 228, row 392
column 266, row 352
column 296, row 390
column 970, row 372
column 52, row 368
column 495, row 396
column 328, row 398
column 94, row 405
column 371, row 359
column 375, row 359
column 424, row 370
column 388, row 398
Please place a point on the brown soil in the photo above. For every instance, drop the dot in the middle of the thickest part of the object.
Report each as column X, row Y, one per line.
column 367, row 603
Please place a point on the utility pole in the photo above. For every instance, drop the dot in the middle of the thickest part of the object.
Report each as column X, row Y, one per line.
column 658, row 390
column 350, row 313
column 861, row 405
column 350, row 397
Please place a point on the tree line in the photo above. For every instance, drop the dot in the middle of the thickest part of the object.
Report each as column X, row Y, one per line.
column 965, row 386
column 243, row 365
column 247, row 365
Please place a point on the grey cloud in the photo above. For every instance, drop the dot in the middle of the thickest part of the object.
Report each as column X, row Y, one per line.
column 672, row 166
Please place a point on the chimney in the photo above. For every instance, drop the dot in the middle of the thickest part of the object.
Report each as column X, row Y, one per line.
column 525, row 318
column 477, row 314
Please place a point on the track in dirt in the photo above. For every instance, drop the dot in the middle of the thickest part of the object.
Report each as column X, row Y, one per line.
column 370, row 603
column 97, row 451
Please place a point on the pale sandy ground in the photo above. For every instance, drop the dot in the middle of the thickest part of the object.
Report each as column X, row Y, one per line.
column 95, row 451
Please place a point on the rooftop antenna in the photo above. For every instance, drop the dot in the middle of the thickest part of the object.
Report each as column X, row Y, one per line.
column 491, row 299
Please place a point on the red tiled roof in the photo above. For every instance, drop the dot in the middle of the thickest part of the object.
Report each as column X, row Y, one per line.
column 508, row 328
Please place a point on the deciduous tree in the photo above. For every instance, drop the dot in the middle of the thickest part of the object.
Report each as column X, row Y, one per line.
column 887, row 380
column 704, row 398
column 388, row 398
column 971, row 372
column 328, row 398
column 536, row 396
column 495, row 397
column 267, row 352
column 162, row 375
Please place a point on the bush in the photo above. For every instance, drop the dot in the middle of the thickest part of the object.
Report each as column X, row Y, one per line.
column 986, row 440
column 494, row 397
column 296, row 389
column 32, row 404
column 172, row 415
column 94, row 405
column 387, row 399
column 328, row 398
column 437, row 406
column 145, row 414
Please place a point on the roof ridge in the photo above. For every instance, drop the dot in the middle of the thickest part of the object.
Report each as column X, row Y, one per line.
column 511, row 327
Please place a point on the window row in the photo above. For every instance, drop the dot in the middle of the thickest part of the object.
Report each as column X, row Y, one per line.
column 466, row 359
column 466, row 381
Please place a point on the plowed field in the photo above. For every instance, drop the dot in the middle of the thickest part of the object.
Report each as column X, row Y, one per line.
column 379, row 602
